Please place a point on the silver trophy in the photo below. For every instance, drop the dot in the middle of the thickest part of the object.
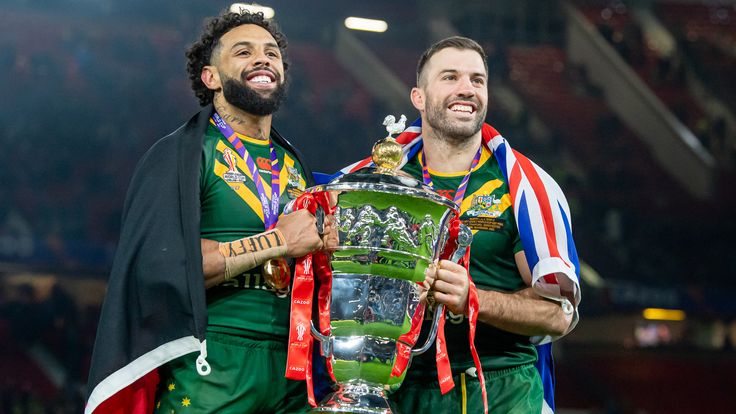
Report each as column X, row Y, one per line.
column 391, row 228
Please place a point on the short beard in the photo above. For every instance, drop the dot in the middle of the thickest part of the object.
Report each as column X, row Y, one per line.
column 240, row 95
column 452, row 131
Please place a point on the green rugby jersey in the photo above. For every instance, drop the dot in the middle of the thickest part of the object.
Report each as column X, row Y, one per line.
column 487, row 210
column 231, row 209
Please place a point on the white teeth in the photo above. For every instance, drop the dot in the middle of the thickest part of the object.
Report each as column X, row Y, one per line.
column 462, row 108
column 261, row 79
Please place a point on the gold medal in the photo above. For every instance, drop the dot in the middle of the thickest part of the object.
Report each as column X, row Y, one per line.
column 276, row 273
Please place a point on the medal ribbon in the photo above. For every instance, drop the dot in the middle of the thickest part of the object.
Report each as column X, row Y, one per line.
column 460, row 193
column 444, row 371
column 270, row 208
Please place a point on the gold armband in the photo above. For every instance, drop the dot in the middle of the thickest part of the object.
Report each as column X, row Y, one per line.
column 249, row 252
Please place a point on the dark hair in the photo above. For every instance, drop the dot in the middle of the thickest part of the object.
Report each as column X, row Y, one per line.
column 199, row 54
column 457, row 42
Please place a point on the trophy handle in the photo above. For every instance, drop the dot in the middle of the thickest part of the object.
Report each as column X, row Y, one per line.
column 464, row 237
column 439, row 312
column 325, row 345
column 460, row 238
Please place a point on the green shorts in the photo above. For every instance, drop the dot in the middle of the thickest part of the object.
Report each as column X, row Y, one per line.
column 511, row 391
column 247, row 377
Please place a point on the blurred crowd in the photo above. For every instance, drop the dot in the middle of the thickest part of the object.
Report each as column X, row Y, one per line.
column 705, row 45
column 85, row 97
column 47, row 337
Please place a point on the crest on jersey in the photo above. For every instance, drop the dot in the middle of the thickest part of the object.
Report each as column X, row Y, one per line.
column 485, row 206
column 232, row 175
column 295, row 188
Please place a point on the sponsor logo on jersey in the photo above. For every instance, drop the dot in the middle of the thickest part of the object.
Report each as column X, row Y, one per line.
column 264, row 164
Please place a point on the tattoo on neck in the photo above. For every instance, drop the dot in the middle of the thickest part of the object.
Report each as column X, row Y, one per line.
column 236, row 120
column 229, row 118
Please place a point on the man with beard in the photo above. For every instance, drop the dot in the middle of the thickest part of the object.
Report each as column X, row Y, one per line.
column 203, row 250
column 520, row 288
column 458, row 155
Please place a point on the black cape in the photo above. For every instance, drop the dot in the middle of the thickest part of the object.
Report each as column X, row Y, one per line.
column 155, row 308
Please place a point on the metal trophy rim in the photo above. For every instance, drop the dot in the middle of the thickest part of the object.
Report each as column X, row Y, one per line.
column 380, row 249
column 386, row 188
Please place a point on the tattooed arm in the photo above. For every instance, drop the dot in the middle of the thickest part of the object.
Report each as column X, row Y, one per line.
column 294, row 236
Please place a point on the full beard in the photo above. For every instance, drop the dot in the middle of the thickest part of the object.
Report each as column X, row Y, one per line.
column 243, row 97
column 453, row 130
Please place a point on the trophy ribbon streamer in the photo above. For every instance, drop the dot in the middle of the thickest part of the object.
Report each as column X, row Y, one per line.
column 473, row 307
column 444, row 372
column 407, row 341
column 299, row 354
column 300, row 338
column 323, row 273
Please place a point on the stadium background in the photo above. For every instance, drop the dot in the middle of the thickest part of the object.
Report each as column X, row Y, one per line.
column 628, row 104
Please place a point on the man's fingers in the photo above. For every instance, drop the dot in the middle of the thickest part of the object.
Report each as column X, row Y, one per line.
column 430, row 273
column 320, row 220
column 330, row 238
column 451, row 301
column 447, row 288
column 451, row 266
column 451, row 285
column 301, row 232
column 451, row 277
column 428, row 280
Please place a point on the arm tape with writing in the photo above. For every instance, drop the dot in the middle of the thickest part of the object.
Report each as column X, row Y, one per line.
column 249, row 252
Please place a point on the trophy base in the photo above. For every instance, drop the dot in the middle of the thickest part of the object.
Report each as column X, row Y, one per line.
column 355, row 398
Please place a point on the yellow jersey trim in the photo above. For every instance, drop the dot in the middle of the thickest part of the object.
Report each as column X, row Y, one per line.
column 485, row 155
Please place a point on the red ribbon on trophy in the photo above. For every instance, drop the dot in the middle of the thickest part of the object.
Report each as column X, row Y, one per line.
column 444, row 371
column 406, row 342
column 323, row 272
column 299, row 353
column 473, row 307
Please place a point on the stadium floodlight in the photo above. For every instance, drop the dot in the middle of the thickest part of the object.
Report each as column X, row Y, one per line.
column 367, row 25
column 659, row 314
column 268, row 12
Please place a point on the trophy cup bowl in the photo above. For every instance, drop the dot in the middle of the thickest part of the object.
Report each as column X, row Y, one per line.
column 390, row 229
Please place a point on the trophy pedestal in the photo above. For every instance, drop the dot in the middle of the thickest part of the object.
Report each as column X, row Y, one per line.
column 355, row 397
